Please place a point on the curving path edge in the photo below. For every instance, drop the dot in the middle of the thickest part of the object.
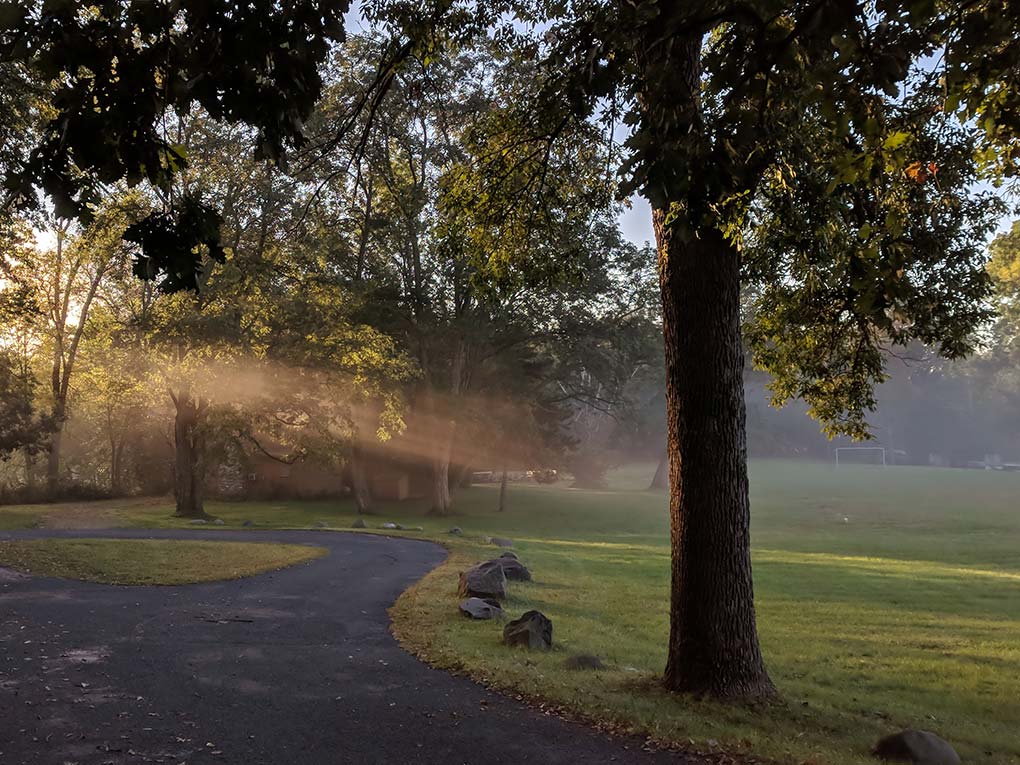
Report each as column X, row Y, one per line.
column 292, row 666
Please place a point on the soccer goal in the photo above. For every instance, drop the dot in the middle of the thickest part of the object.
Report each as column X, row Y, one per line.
column 861, row 455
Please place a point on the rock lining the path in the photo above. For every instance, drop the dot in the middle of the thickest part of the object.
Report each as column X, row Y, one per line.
column 918, row 746
column 486, row 580
column 478, row 608
column 533, row 630
column 359, row 523
column 502, row 542
column 513, row 569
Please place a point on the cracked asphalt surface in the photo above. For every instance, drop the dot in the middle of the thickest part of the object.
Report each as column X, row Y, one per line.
column 293, row 666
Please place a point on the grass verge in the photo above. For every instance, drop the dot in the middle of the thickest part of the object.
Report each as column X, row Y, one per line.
column 149, row 561
column 886, row 598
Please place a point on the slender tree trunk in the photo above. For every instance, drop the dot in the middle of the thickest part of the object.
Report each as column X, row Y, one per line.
column 713, row 642
column 661, row 478
column 189, row 463
column 116, row 457
column 359, row 480
column 53, row 458
column 502, row 490
column 441, row 501
column 29, row 470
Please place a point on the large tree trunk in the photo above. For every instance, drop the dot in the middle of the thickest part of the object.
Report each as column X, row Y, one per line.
column 661, row 478
column 189, row 463
column 441, row 503
column 713, row 642
column 359, row 480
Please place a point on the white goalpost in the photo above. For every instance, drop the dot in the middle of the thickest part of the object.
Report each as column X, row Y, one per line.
column 879, row 449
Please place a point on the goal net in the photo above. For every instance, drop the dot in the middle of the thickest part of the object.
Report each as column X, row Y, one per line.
column 860, row 455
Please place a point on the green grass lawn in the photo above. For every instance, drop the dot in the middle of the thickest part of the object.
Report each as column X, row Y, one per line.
column 886, row 598
column 149, row 561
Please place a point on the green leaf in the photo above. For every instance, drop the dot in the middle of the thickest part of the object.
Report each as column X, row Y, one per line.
column 895, row 140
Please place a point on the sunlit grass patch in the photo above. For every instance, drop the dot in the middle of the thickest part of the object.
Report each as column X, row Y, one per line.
column 149, row 561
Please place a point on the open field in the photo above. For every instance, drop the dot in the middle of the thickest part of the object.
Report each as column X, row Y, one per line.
column 886, row 598
column 149, row 561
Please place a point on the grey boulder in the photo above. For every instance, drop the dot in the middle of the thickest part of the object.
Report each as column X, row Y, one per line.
column 477, row 608
column 359, row 523
column 514, row 570
column 321, row 525
column 219, row 522
column 389, row 525
column 456, row 531
column 502, row 542
column 533, row 631
column 248, row 524
column 199, row 522
column 486, row 580
column 917, row 746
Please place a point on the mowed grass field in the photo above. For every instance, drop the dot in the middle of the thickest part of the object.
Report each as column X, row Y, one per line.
column 886, row 598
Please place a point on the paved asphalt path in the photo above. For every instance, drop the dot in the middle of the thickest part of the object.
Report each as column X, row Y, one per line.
column 294, row 666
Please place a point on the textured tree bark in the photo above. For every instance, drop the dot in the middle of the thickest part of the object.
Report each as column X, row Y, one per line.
column 713, row 642
column 441, row 503
column 189, row 463
column 359, row 480
column 661, row 478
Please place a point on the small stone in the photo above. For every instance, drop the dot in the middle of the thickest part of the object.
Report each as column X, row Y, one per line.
column 219, row 522
column 532, row 631
column 486, row 580
column 584, row 661
column 359, row 523
column 502, row 542
column 481, row 608
column 456, row 531
column 389, row 525
column 247, row 524
column 199, row 522
column 321, row 525
column 416, row 528
column 917, row 746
